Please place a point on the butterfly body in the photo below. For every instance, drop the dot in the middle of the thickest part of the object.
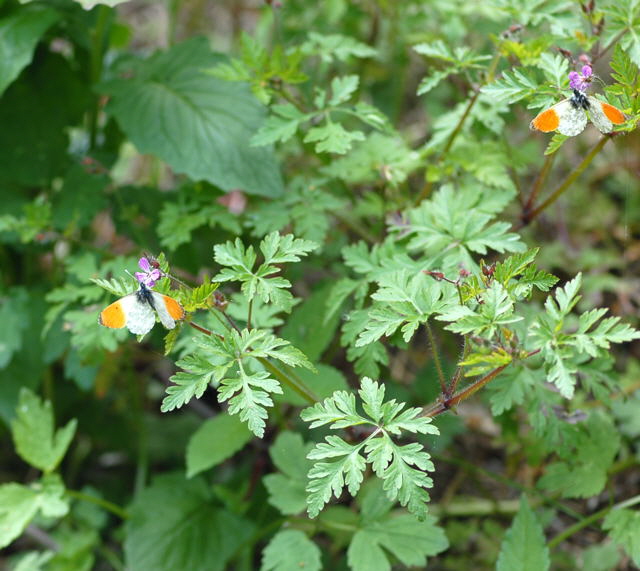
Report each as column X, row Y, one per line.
column 569, row 116
column 137, row 311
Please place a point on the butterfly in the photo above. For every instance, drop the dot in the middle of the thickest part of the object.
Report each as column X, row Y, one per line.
column 569, row 117
column 137, row 311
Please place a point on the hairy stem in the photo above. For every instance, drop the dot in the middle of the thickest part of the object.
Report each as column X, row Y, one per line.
column 529, row 217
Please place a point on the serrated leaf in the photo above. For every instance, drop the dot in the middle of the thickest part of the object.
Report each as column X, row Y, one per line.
column 248, row 396
column 524, row 547
column 37, row 442
column 291, row 550
column 332, row 138
column 207, row 122
column 19, row 505
column 624, row 526
column 512, row 86
column 342, row 88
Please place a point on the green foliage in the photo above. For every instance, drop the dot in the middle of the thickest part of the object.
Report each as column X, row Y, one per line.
column 206, row 449
column 257, row 282
column 393, row 143
column 203, row 535
column 454, row 61
column 203, row 139
column 381, row 532
column 36, row 440
column 561, row 349
column 625, row 528
column 524, row 548
column 289, row 550
column 19, row 35
column 401, row 468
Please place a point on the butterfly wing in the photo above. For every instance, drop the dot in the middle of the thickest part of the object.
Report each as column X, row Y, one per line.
column 604, row 116
column 563, row 117
column 168, row 309
column 131, row 312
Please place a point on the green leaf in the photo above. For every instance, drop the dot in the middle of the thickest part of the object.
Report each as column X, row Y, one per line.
column 261, row 282
column 215, row 440
column 512, row 86
column 291, row 550
column 19, row 505
column 624, row 526
column 495, row 312
column 37, row 442
column 336, row 46
column 19, row 35
column 409, row 540
column 248, row 396
column 622, row 20
column 13, row 307
column 287, row 488
column 402, row 468
column 189, row 383
column 332, row 138
column 205, row 123
column 281, row 126
column 582, row 471
column 524, row 547
column 455, row 223
column 342, row 88
column 185, row 530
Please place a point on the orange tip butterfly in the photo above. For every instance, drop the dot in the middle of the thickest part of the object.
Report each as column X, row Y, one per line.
column 137, row 311
column 569, row 117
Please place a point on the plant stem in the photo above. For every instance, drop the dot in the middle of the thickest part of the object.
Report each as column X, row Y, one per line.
column 436, row 358
column 446, row 402
column 537, row 185
column 105, row 504
column 299, row 388
column 578, row 526
column 529, row 217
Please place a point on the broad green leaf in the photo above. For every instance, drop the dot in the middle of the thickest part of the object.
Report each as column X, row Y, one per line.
column 33, row 561
column 291, row 550
column 199, row 124
column 216, row 440
column 624, row 526
column 175, row 524
column 287, row 487
column 19, row 34
column 524, row 547
column 37, row 442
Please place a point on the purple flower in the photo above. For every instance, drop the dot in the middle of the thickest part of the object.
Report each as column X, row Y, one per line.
column 580, row 81
column 148, row 276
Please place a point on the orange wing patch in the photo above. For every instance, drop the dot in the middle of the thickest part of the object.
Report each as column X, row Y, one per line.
column 175, row 310
column 113, row 316
column 612, row 113
column 546, row 121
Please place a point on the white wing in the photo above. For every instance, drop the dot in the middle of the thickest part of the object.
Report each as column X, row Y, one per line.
column 572, row 120
column 140, row 316
column 598, row 118
column 161, row 308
